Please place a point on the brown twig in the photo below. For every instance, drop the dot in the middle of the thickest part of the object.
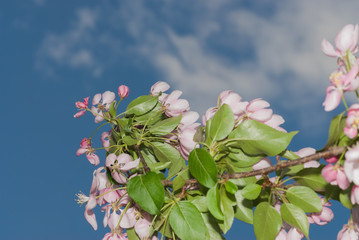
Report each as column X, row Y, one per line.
column 144, row 164
column 333, row 151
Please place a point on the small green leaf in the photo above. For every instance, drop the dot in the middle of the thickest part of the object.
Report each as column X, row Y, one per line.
column 243, row 210
column 141, row 105
column 187, row 222
column 155, row 167
column 213, row 202
column 222, row 123
column 312, row 177
column 226, row 204
column 165, row 126
column 231, row 187
column 202, row 167
column 239, row 159
column 131, row 234
column 305, row 198
column 251, row 191
column 148, row 191
column 289, row 155
column 335, row 130
column 178, row 183
column 214, row 232
column 256, row 138
column 175, row 167
column 266, row 222
column 295, row 217
column 344, row 198
column 201, row 203
column 165, row 152
column 129, row 140
column 112, row 109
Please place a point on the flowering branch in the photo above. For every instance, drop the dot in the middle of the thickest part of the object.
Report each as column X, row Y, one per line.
column 333, row 151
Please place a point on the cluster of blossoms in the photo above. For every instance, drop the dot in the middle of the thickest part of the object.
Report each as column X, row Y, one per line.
column 343, row 170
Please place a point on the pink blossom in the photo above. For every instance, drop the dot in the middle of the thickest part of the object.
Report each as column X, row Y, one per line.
column 209, row 115
column 186, row 142
column 340, row 83
column 354, row 195
column 232, row 99
column 105, row 139
column 306, row 152
column 351, row 165
column 120, row 163
column 335, row 176
column 323, row 217
column 352, row 121
column 115, row 236
column 293, row 234
column 331, row 159
column 82, row 107
column 349, row 231
column 173, row 105
column 256, row 110
column 103, row 103
column 275, row 121
column 188, row 118
column 123, row 91
column 159, row 87
column 346, row 40
column 86, row 148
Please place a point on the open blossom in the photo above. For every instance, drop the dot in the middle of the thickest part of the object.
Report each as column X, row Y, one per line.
column 159, row 87
column 323, row 217
column 341, row 83
column 275, row 121
column 103, row 102
column 351, row 165
column 120, row 164
column 86, row 148
column 232, row 99
column 173, row 105
column 81, row 106
column 346, row 40
column 335, row 176
column 352, row 121
column 349, row 231
column 123, row 91
column 256, row 110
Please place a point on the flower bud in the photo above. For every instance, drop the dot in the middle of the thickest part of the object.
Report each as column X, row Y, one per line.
column 123, row 91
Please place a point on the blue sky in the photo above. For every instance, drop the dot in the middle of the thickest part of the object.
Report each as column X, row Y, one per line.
column 53, row 53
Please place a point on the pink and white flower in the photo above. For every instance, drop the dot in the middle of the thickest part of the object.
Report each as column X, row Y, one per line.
column 352, row 121
column 323, row 217
column 103, row 103
column 123, row 91
column 173, row 105
column 306, row 152
column 351, row 165
column 81, row 107
column 349, row 231
column 335, row 176
column 119, row 165
column 86, row 148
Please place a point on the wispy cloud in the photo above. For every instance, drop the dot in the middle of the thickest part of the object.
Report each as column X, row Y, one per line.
column 270, row 51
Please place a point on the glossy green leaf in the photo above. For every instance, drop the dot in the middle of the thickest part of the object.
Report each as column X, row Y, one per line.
column 295, row 217
column 175, row 167
column 344, row 197
column 214, row 232
column 231, row 187
column 201, row 203
column 187, row 222
column 305, row 198
column 256, row 138
column 131, row 234
column 178, row 183
column 213, row 202
column 202, row 167
column 155, row 115
column 335, row 130
column 165, row 126
column 312, row 177
column 141, row 105
column 289, row 155
column 155, row 167
column 222, row 123
column 239, row 159
column 164, row 152
column 226, row 204
column 112, row 109
column 129, row 140
column 251, row 191
column 148, row 191
column 266, row 222
column 243, row 210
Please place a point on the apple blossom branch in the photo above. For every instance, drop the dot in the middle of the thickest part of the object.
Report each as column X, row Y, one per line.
column 333, row 151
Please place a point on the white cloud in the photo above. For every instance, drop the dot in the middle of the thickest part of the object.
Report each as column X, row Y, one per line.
column 205, row 47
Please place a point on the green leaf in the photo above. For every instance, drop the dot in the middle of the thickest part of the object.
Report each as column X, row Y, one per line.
column 256, row 138
column 141, row 105
column 295, row 217
column 201, row 203
column 239, row 159
column 165, row 152
column 129, row 140
column 243, row 210
column 344, row 197
column 226, row 204
column 187, row 222
column 151, row 117
column 222, row 123
column 231, row 187
column 305, row 198
column 131, row 234
column 202, row 167
column 199, row 135
column 266, row 222
column 335, row 130
column 312, row 177
column 175, row 167
column 214, row 232
column 165, row 126
column 251, row 191
column 148, row 191
column 289, row 155
column 213, row 202
column 207, row 132
column 178, row 183
column 112, row 109
column 155, row 167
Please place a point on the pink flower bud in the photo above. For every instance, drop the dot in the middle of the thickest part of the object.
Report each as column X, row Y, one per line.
column 123, row 91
